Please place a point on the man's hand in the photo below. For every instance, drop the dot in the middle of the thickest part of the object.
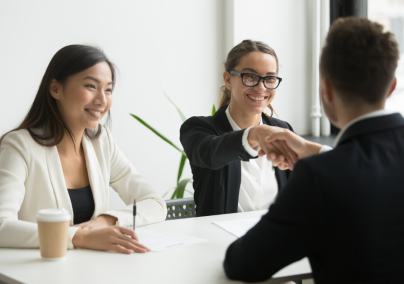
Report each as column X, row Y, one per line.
column 292, row 142
column 101, row 221
column 279, row 161
column 277, row 151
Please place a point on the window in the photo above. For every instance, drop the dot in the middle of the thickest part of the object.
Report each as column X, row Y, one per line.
column 390, row 13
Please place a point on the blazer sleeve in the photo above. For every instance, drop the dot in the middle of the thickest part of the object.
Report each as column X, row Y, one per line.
column 14, row 169
column 291, row 230
column 131, row 185
column 206, row 149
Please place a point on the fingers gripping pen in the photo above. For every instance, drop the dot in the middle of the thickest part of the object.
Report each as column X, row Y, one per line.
column 134, row 213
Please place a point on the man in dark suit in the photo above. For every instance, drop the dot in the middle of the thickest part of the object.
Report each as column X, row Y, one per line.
column 343, row 209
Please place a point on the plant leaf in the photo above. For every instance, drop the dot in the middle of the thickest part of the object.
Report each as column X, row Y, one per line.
column 181, row 187
column 173, row 196
column 183, row 118
column 181, row 168
column 157, row 133
column 213, row 110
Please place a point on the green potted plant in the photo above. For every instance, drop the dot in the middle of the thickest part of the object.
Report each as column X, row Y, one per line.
column 180, row 188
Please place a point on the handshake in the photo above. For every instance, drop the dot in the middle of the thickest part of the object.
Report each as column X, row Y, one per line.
column 281, row 146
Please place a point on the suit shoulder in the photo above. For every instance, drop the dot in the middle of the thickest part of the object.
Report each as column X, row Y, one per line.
column 17, row 133
column 21, row 136
column 328, row 160
column 197, row 121
column 20, row 141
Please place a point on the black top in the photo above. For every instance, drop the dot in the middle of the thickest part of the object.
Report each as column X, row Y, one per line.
column 82, row 203
column 215, row 153
column 345, row 206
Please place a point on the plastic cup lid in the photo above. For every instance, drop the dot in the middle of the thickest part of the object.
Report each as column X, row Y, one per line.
column 53, row 215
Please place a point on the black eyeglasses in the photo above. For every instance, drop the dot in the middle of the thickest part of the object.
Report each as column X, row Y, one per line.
column 252, row 80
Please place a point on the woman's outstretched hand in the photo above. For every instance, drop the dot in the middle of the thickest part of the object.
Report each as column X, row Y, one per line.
column 112, row 238
column 278, row 160
column 290, row 142
column 278, row 151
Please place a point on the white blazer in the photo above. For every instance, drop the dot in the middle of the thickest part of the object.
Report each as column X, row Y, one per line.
column 31, row 178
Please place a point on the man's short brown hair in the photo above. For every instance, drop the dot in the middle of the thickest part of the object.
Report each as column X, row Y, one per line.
column 359, row 59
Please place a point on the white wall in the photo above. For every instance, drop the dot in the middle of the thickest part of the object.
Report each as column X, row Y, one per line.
column 179, row 44
column 285, row 26
column 176, row 43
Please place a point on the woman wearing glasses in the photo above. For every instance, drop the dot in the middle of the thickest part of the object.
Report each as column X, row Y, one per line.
column 222, row 149
column 62, row 157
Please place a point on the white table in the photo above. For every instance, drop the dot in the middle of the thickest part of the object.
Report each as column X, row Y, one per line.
column 198, row 263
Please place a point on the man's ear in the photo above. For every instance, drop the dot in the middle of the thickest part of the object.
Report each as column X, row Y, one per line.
column 226, row 78
column 55, row 89
column 392, row 87
column 326, row 91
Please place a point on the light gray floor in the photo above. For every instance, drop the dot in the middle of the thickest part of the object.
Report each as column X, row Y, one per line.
column 308, row 281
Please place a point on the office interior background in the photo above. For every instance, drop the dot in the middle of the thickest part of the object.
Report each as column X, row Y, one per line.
column 178, row 46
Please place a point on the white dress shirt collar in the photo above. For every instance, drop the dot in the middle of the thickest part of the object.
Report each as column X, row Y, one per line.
column 232, row 122
column 375, row 113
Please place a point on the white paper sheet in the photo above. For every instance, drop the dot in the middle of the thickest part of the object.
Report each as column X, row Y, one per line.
column 160, row 241
column 239, row 227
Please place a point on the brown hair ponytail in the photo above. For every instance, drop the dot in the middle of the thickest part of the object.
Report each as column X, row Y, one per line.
column 233, row 59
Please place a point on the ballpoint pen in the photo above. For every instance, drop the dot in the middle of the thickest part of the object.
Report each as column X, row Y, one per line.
column 134, row 213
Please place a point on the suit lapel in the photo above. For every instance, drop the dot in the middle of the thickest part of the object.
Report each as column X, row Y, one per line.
column 222, row 125
column 57, row 180
column 95, row 177
column 266, row 120
column 221, row 122
column 373, row 124
column 233, row 181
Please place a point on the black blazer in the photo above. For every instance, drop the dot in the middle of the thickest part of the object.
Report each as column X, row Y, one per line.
column 347, row 208
column 215, row 153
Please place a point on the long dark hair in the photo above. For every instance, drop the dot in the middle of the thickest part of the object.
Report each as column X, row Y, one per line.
column 44, row 114
column 233, row 59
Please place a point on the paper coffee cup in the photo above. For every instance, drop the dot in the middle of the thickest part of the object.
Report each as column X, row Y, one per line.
column 53, row 228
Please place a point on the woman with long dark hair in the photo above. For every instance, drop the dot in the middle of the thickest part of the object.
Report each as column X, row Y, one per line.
column 223, row 149
column 62, row 157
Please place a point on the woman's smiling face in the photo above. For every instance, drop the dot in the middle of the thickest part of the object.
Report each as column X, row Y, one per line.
column 85, row 97
column 252, row 100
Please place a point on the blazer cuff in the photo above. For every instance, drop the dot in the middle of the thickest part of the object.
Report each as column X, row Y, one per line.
column 72, row 232
column 251, row 151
